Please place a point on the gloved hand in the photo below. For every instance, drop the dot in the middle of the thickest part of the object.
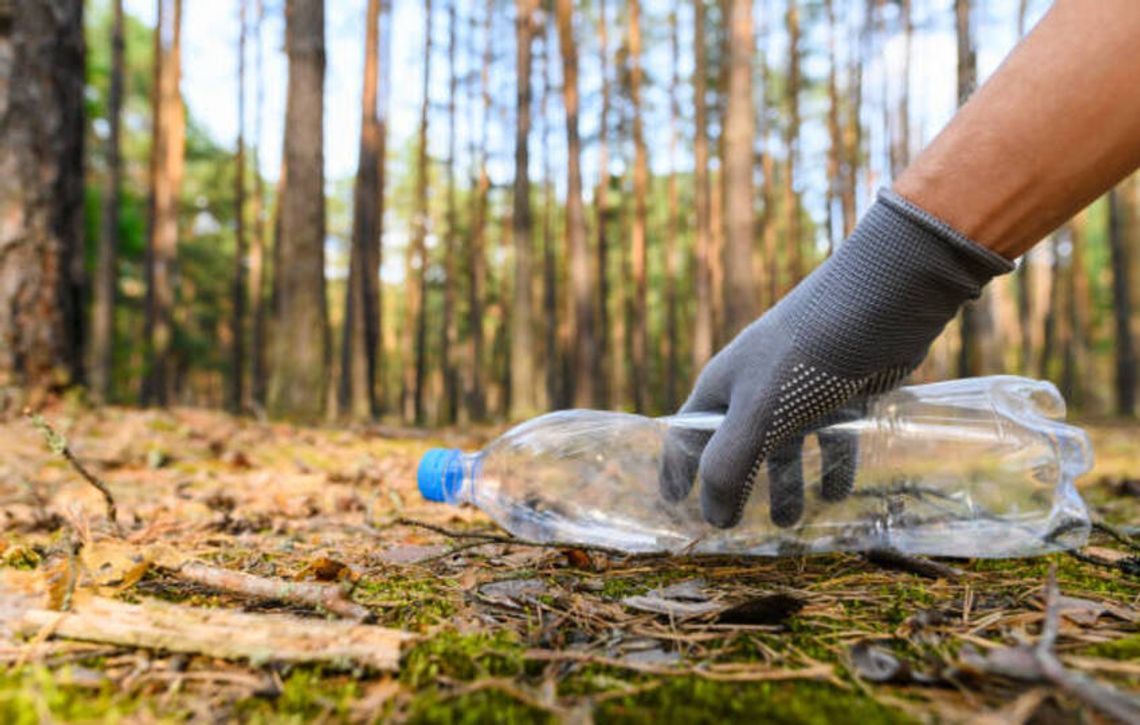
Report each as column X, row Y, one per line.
column 855, row 327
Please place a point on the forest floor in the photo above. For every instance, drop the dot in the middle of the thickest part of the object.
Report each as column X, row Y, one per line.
column 266, row 572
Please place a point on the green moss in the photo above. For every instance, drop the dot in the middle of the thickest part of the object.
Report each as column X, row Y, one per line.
column 32, row 694
column 691, row 699
column 482, row 706
column 462, row 657
column 1072, row 575
column 407, row 601
column 23, row 557
column 309, row 693
column 1127, row 648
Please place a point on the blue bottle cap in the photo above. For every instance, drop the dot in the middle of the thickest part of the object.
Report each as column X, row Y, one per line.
column 440, row 474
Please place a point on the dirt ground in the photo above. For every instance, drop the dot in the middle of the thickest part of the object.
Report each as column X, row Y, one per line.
column 324, row 523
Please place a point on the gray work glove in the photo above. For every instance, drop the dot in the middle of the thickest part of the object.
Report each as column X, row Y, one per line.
column 855, row 327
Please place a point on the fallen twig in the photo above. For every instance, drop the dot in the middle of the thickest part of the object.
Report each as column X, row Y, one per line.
column 1116, row 534
column 221, row 633
column 58, row 445
column 895, row 559
column 314, row 594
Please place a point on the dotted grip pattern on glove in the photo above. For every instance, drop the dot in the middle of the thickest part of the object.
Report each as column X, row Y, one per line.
column 855, row 327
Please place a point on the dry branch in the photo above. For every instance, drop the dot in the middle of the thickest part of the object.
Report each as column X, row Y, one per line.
column 327, row 596
column 220, row 633
column 58, row 445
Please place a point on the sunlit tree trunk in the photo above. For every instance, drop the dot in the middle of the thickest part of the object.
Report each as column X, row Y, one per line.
column 741, row 297
column 41, row 194
column 834, row 132
column 361, row 337
column 1125, row 378
column 552, row 357
column 257, row 249
column 702, row 322
column 853, row 126
column 791, row 207
column 449, row 331
column 671, row 338
column 978, row 354
column 235, row 398
column 602, row 363
column 298, row 384
column 900, row 136
column 168, row 148
column 415, row 267
column 1024, row 273
column 582, row 337
column 523, row 391
column 476, row 264
column 106, row 271
column 639, row 338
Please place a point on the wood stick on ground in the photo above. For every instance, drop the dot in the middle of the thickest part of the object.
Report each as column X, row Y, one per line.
column 58, row 445
column 326, row 596
column 221, row 633
column 894, row 559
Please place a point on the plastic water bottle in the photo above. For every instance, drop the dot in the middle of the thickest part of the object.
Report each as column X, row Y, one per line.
column 980, row 467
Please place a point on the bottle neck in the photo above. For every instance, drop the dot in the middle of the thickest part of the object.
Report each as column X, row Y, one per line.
column 465, row 470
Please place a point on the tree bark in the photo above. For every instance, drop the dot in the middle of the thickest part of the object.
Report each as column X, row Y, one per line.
column 415, row 319
column 1024, row 273
column 834, row 132
column 978, row 354
column 524, row 401
column 301, row 337
column 449, row 330
column 671, row 337
column 258, row 340
column 702, row 321
column 639, row 337
column 551, row 356
column 602, row 364
column 900, row 137
column 168, row 151
column 1122, row 310
column 107, row 272
column 476, row 264
column 235, row 398
column 361, row 338
column 742, row 299
column 41, row 194
column 582, row 336
column 791, row 205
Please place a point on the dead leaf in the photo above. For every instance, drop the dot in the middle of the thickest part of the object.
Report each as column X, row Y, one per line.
column 324, row 569
column 578, row 558
column 513, row 592
column 675, row 608
column 1112, row 556
column 411, row 553
column 1086, row 612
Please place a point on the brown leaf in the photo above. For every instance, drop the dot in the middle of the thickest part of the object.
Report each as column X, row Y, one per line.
column 324, row 569
column 578, row 558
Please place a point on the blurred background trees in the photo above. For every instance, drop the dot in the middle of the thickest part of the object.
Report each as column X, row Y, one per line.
column 552, row 202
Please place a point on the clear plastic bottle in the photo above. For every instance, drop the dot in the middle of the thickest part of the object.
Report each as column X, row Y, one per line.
column 980, row 467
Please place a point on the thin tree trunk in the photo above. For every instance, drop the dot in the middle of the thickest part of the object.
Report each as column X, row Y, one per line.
column 702, row 322
column 551, row 356
column 107, row 273
column 602, row 364
column 235, row 398
column 900, row 136
column 582, row 337
column 1049, row 322
column 476, row 266
column 834, row 132
column 1025, row 269
column 1076, row 371
column 671, row 333
column 297, row 387
column 1122, row 310
column 978, row 354
column 853, row 128
column 41, row 194
column 639, row 242
column 791, row 148
column 168, row 149
column 257, row 249
column 524, row 401
column 360, row 339
column 449, row 332
column 415, row 319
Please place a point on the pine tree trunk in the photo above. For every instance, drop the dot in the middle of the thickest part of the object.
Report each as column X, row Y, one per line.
column 106, row 272
column 415, row 267
column 1025, row 269
column 582, row 336
column 602, row 364
column 449, row 331
column 834, row 133
column 671, row 338
column 523, row 393
column 167, row 163
column 297, row 386
column 900, row 136
column 702, row 322
column 639, row 337
column 1122, row 309
column 552, row 358
column 360, row 339
column 790, row 204
column 41, row 194
column 235, row 394
column 742, row 299
column 476, row 264
column 257, row 249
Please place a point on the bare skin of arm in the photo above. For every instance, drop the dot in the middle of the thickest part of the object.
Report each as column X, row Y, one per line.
column 1056, row 126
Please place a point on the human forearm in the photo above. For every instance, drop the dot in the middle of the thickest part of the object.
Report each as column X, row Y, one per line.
column 1056, row 126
